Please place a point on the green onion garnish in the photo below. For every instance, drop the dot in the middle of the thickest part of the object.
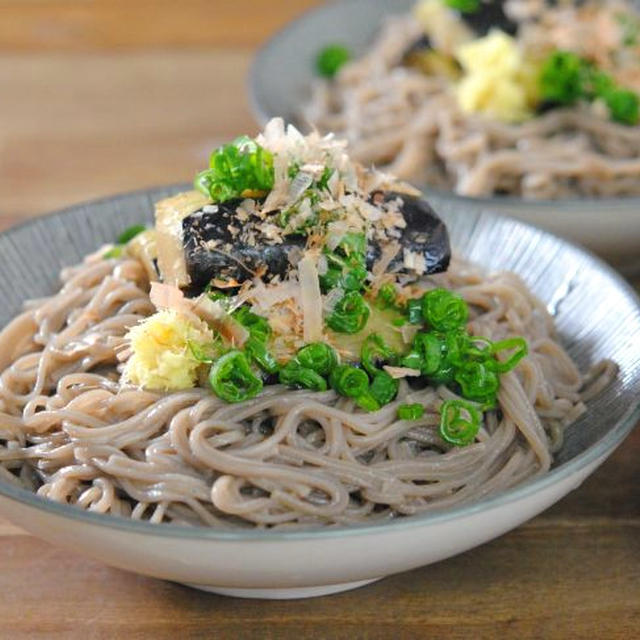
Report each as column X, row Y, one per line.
column 318, row 356
column 463, row 6
column 293, row 374
column 478, row 382
column 349, row 381
column 350, row 314
column 232, row 379
column 413, row 411
column 518, row 348
column 235, row 168
column 330, row 59
column 414, row 310
column 367, row 402
column 383, row 387
column 129, row 234
column 258, row 352
column 459, row 422
column 565, row 78
column 444, row 310
column 375, row 353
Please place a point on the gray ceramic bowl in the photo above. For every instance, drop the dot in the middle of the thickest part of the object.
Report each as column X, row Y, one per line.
column 597, row 315
column 279, row 84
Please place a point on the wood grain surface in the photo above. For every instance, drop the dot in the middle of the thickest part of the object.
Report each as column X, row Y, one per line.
column 103, row 96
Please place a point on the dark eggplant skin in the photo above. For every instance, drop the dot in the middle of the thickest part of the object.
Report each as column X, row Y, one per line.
column 425, row 234
column 490, row 15
column 231, row 260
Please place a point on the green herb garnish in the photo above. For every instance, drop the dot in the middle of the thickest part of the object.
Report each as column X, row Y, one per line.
column 566, row 78
column 459, row 422
column 464, row 6
column 232, row 379
column 444, row 310
column 124, row 238
column 350, row 314
column 413, row 411
column 330, row 59
column 375, row 353
column 383, row 387
column 294, row 374
column 239, row 168
column 129, row 234
column 349, row 381
column 319, row 357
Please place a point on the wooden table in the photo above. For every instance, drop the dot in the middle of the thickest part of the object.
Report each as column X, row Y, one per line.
column 111, row 95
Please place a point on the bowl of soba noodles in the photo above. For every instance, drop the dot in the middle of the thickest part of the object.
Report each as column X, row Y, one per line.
column 297, row 375
column 525, row 107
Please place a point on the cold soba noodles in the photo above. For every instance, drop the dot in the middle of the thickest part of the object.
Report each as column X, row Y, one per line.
column 291, row 345
column 524, row 97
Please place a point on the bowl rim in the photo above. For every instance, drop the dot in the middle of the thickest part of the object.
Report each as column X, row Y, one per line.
column 593, row 454
column 262, row 115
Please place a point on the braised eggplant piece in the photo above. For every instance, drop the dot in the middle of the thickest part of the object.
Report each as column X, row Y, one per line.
column 425, row 234
column 421, row 45
column 213, row 250
column 489, row 15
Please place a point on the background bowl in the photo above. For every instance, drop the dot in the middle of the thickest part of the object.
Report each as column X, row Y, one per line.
column 279, row 84
column 597, row 316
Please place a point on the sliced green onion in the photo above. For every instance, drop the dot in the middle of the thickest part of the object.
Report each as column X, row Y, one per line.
column 330, row 59
column 367, row 402
column 375, row 353
column 414, row 310
column 114, row 252
column 318, row 356
column 258, row 352
column 353, row 279
column 431, row 348
column 129, row 234
column 383, row 387
column 413, row 360
column 350, row 314
column 349, row 381
column 478, row 382
column 413, row 411
column 459, row 422
column 463, row 6
column 623, row 105
column 257, row 326
column 387, row 296
column 444, row 310
column 232, row 379
column 519, row 348
column 293, row 374
column 242, row 165
column 198, row 352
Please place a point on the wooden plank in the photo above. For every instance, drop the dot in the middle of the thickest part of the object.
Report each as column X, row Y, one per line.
column 74, row 25
column 534, row 583
column 79, row 127
column 569, row 573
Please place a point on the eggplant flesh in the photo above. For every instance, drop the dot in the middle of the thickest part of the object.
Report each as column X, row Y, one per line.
column 213, row 251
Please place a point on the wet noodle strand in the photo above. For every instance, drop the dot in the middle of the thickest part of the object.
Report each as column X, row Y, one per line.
column 72, row 433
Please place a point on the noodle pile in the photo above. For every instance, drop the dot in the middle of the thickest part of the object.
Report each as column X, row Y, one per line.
column 411, row 125
column 71, row 432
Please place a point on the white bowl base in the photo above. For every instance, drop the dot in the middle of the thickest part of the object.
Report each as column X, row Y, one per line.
column 283, row 594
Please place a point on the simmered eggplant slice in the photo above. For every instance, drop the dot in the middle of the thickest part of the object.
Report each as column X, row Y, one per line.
column 425, row 234
column 213, row 251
